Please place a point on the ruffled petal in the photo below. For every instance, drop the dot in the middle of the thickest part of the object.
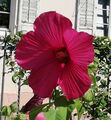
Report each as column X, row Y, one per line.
column 74, row 81
column 32, row 103
column 79, row 46
column 44, row 80
column 50, row 26
column 32, row 53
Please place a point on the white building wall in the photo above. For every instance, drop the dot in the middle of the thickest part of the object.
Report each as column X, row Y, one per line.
column 90, row 14
column 30, row 10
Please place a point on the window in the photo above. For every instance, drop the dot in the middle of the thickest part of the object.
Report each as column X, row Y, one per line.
column 94, row 16
column 103, row 16
column 4, row 13
column 29, row 10
column 85, row 16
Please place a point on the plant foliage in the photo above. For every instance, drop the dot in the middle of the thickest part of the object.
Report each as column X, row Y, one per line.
column 95, row 103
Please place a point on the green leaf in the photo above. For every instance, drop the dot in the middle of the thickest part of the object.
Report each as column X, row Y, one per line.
column 103, row 103
column 62, row 101
column 15, row 77
column 6, row 111
column 96, row 51
column 13, row 107
column 37, row 110
column 94, row 81
column 88, row 96
column 70, row 109
column 59, row 114
column 25, row 82
column 103, row 83
column 92, row 68
column 80, row 108
column 21, row 117
column 50, row 115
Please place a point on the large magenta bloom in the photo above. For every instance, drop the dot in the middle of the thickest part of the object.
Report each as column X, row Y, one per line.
column 56, row 55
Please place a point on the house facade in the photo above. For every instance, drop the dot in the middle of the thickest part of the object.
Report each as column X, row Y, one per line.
column 86, row 15
column 93, row 17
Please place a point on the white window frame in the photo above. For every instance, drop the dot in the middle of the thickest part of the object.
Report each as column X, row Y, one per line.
column 6, row 13
column 3, row 30
column 13, row 16
column 109, row 29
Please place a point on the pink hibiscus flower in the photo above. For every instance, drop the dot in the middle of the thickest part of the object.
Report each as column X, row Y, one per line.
column 56, row 54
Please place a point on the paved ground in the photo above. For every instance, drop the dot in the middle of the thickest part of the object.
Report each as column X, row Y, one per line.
column 12, row 97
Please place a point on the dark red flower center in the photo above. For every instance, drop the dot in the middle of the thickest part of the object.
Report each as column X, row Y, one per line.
column 62, row 55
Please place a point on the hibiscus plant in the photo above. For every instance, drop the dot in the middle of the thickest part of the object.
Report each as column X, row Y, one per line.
column 76, row 83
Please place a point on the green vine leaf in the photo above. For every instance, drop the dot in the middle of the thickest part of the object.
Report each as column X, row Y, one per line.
column 33, row 113
column 80, row 108
column 59, row 114
column 14, row 107
column 6, row 111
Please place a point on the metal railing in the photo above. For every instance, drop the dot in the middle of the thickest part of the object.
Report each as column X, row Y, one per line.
column 3, row 46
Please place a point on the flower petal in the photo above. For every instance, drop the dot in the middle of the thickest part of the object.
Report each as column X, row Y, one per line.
column 40, row 116
column 32, row 53
column 44, row 80
column 32, row 103
column 50, row 26
column 79, row 46
column 74, row 80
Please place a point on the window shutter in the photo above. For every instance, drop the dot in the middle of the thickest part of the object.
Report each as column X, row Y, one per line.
column 93, row 16
column 102, row 20
column 86, row 15
column 29, row 13
column 25, row 10
column 33, row 10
